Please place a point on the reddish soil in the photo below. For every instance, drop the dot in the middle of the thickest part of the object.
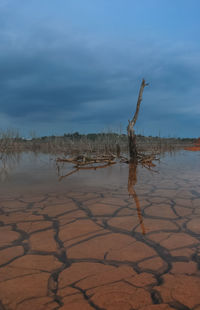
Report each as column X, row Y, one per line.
column 194, row 148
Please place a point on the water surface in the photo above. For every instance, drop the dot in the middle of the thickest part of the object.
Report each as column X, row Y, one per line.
column 122, row 237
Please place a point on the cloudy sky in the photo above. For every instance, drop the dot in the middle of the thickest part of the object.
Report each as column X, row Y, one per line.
column 77, row 65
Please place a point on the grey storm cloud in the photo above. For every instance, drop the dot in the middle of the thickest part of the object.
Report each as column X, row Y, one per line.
column 51, row 81
column 46, row 75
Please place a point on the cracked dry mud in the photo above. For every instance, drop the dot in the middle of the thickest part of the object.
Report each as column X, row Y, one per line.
column 87, row 249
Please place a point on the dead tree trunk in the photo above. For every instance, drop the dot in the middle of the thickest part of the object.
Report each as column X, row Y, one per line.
column 130, row 130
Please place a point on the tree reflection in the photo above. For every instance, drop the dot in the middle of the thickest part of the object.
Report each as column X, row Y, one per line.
column 132, row 180
column 7, row 164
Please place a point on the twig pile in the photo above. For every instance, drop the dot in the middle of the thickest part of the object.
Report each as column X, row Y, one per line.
column 83, row 162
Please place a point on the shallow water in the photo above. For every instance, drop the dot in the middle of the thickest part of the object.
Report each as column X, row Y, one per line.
column 115, row 238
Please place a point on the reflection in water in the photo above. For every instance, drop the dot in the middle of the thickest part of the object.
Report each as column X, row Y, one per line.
column 60, row 166
column 132, row 180
column 7, row 164
column 3, row 171
column 71, row 246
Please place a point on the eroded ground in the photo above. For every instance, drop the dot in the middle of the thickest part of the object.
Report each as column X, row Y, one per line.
column 96, row 250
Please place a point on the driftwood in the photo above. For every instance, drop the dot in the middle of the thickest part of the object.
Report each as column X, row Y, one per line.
column 83, row 162
column 131, row 133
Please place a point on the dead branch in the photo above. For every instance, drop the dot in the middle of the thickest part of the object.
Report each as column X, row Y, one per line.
column 139, row 102
column 130, row 130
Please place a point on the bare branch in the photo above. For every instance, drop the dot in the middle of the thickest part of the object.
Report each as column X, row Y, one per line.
column 138, row 102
